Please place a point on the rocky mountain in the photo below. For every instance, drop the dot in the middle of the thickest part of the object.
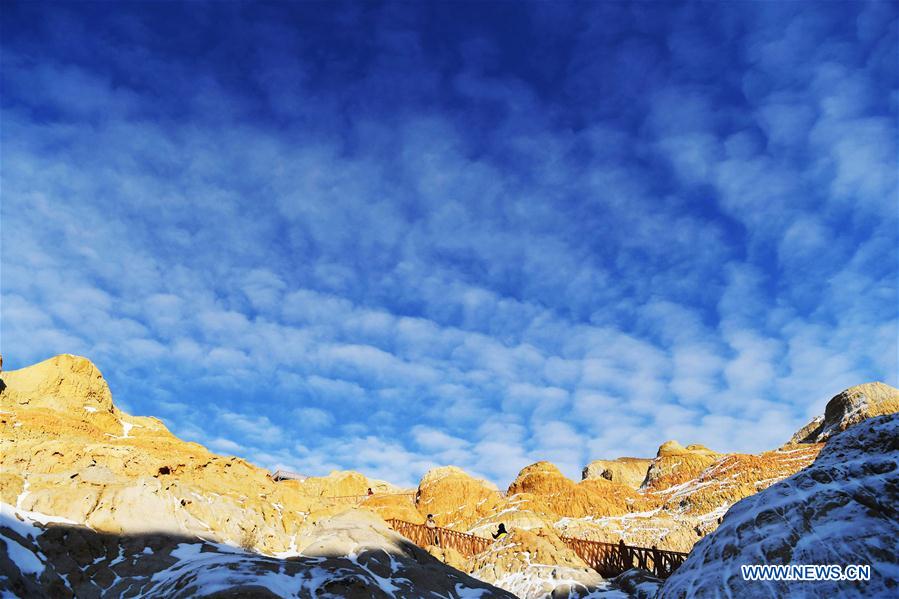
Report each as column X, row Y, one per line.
column 684, row 495
column 67, row 450
column 97, row 502
column 685, row 492
column 74, row 466
column 843, row 510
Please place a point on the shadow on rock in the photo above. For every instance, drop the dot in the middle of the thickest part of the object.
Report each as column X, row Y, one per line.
column 62, row 560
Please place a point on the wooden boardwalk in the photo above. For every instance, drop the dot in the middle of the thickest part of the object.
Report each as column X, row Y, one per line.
column 609, row 559
column 466, row 544
column 358, row 499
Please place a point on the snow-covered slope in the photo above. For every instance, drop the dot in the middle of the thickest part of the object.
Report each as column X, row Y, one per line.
column 40, row 556
column 843, row 509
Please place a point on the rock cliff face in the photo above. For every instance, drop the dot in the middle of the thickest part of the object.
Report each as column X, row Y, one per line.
column 840, row 510
column 627, row 471
column 64, row 383
column 345, row 483
column 847, row 408
column 455, row 498
column 108, row 478
column 68, row 451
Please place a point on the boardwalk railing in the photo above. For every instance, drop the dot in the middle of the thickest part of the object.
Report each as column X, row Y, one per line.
column 609, row 559
column 466, row 544
column 358, row 498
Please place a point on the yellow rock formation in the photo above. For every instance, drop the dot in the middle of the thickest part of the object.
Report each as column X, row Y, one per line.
column 847, row 408
column 67, row 450
column 678, row 509
column 628, row 471
column 675, row 464
column 456, row 498
column 346, row 483
column 399, row 506
column 545, row 490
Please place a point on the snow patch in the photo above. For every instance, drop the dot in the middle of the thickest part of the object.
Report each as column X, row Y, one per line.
column 24, row 558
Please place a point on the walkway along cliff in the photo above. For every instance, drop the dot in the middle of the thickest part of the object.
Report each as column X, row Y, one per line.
column 609, row 559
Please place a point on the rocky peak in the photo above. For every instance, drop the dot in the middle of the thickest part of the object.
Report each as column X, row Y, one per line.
column 847, row 408
column 627, row 471
column 543, row 490
column 671, row 448
column 542, row 478
column 456, row 498
column 64, row 382
column 440, row 473
column 344, row 483
column 675, row 464
column 66, row 450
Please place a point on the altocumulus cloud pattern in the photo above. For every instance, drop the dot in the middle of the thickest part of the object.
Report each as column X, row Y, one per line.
column 389, row 236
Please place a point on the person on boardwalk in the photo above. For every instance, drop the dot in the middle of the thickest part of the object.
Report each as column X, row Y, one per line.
column 431, row 525
column 501, row 531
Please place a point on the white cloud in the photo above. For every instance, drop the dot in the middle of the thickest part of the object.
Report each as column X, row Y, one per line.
column 674, row 264
column 226, row 445
column 258, row 428
column 312, row 419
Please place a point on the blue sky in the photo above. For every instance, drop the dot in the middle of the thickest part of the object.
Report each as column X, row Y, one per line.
column 392, row 236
